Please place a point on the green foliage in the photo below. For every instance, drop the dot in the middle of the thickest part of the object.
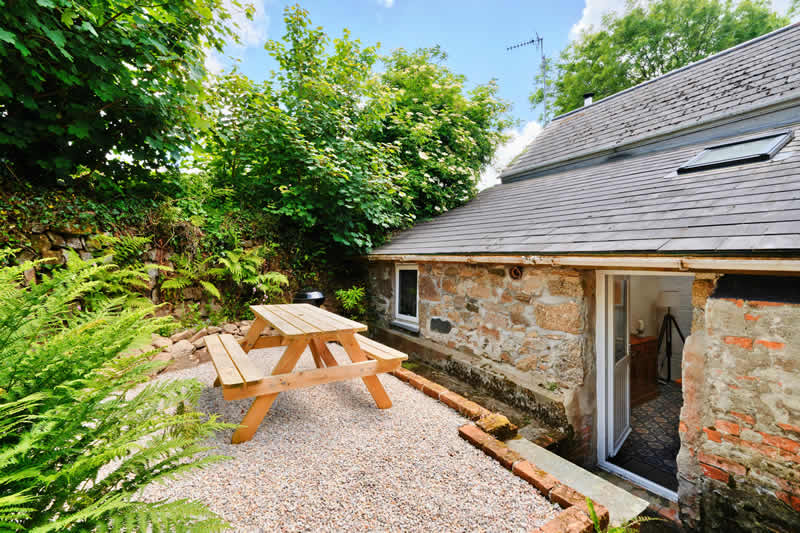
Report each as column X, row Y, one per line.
column 345, row 155
column 631, row 526
column 353, row 301
column 651, row 39
column 445, row 135
column 295, row 146
column 85, row 79
column 191, row 271
column 82, row 431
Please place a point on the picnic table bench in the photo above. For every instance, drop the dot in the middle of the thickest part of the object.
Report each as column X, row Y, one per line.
column 299, row 326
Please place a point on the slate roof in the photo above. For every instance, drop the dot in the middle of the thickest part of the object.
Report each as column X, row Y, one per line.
column 638, row 204
column 577, row 190
column 756, row 73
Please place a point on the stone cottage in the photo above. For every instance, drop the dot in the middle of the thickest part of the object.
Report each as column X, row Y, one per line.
column 633, row 280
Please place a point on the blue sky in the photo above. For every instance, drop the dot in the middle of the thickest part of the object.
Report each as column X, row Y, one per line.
column 474, row 33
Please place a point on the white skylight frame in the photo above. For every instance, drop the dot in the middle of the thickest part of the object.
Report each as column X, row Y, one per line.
column 698, row 163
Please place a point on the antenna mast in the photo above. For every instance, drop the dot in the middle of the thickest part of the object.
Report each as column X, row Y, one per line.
column 537, row 42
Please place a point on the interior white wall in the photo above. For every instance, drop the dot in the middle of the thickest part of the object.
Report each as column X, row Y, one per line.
column 644, row 295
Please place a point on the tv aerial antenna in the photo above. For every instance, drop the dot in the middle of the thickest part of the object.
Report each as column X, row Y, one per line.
column 538, row 43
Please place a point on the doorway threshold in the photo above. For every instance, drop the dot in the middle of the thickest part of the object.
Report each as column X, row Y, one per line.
column 621, row 504
column 658, row 505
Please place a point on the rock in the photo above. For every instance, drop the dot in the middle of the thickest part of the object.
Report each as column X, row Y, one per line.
column 160, row 342
column 86, row 256
column 199, row 335
column 213, row 330
column 56, row 239
column 497, row 425
column 30, row 276
column 231, row 329
column 560, row 317
column 181, row 349
column 202, row 355
column 92, row 244
column 38, row 227
column 198, row 343
column 76, row 243
column 55, row 257
column 182, row 335
column 192, row 293
column 40, row 243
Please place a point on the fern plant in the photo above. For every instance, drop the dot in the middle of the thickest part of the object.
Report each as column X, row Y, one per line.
column 191, row 272
column 243, row 269
column 82, row 431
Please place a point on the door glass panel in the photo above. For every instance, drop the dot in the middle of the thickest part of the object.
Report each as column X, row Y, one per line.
column 620, row 318
column 407, row 304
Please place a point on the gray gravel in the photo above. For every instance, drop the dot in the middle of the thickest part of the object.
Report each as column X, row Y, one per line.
column 326, row 459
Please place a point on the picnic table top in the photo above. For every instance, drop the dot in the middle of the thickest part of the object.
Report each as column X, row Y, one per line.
column 295, row 320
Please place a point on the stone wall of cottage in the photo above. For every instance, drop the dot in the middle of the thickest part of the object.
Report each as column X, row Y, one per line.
column 739, row 464
column 540, row 325
column 537, row 323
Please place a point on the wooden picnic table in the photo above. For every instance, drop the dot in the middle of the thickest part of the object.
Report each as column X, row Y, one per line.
column 299, row 326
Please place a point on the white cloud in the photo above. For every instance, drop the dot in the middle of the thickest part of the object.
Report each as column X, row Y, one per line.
column 594, row 10
column 517, row 141
column 386, row 3
column 251, row 32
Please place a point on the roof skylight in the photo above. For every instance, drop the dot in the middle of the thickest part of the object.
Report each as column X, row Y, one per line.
column 737, row 153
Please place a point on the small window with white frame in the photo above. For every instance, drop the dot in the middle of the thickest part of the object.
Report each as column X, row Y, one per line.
column 406, row 282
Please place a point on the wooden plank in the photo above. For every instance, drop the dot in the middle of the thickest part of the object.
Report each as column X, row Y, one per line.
column 299, row 323
column 253, row 333
column 277, row 322
column 271, row 341
column 305, row 319
column 373, row 384
column 381, row 351
column 344, row 323
column 226, row 370
column 261, row 404
column 310, row 378
column 250, row 373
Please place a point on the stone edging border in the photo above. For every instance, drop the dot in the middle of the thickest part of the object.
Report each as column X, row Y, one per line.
column 575, row 516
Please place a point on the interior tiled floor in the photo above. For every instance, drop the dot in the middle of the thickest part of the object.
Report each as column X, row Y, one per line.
column 652, row 447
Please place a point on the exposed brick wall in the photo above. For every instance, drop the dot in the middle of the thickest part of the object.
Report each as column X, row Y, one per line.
column 740, row 458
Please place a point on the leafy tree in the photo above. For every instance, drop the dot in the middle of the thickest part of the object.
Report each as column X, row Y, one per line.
column 344, row 154
column 295, row 146
column 82, row 431
column 445, row 134
column 84, row 79
column 651, row 39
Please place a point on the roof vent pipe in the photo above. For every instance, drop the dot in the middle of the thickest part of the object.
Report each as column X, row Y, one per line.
column 587, row 99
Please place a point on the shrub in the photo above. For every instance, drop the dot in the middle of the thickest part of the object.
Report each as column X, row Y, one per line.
column 82, row 431
column 353, row 302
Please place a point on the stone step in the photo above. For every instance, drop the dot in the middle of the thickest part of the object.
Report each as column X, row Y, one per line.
column 621, row 504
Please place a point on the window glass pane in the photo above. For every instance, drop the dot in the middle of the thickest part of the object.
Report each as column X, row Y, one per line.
column 753, row 150
column 407, row 293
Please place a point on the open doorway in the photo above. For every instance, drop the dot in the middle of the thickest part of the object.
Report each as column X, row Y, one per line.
column 643, row 319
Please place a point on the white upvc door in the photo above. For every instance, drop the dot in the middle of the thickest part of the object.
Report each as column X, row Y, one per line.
column 618, row 337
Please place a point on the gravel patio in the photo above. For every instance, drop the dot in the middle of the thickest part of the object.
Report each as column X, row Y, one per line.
column 326, row 459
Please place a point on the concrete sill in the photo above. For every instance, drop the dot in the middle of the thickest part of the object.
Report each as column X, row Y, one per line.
column 414, row 328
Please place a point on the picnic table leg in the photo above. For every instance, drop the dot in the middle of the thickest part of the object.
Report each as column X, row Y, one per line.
column 320, row 349
column 350, row 345
column 261, row 404
column 253, row 333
